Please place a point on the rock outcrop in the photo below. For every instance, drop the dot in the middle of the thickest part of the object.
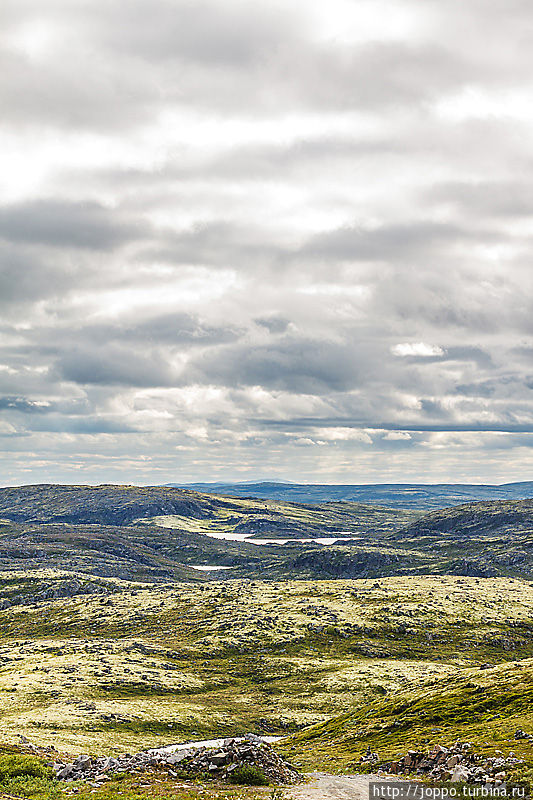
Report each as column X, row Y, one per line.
column 215, row 761
column 457, row 762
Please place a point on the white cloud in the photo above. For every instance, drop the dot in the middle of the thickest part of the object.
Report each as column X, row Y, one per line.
column 417, row 349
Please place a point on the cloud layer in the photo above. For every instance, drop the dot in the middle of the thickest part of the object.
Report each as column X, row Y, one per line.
column 242, row 241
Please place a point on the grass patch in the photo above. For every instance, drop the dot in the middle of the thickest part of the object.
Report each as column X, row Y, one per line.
column 248, row 775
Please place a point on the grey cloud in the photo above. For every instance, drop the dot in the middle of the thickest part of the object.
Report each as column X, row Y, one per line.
column 409, row 426
column 433, row 408
column 76, row 87
column 25, row 276
column 183, row 329
column 260, row 162
column 123, row 68
column 307, row 366
column 114, row 366
column 317, row 77
column 23, row 405
column 469, row 353
column 479, row 389
column 274, row 324
column 89, row 425
column 508, row 198
column 28, row 406
column 385, row 242
column 67, row 224
column 219, row 243
column 314, row 201
column 207, row 32
column 455, row 353
column 179, row 329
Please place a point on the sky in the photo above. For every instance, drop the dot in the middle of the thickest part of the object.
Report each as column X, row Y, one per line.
column 266, row 240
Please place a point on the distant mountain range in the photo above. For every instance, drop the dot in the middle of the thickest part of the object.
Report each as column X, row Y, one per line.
column 161, row 534
column 417, row 496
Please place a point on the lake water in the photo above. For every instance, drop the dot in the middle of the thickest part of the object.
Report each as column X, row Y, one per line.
column 322, row 540
column 166, row 522
column 207, row 569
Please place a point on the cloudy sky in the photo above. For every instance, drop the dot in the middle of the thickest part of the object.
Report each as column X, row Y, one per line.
column 246, row 239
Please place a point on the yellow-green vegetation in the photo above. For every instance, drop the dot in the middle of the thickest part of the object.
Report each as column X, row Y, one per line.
column 153, row 665
column 483, row 706
column 254, row 517
column 131, row 789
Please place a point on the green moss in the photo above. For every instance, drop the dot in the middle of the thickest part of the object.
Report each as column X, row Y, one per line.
column 33, row 788
column 16, row 765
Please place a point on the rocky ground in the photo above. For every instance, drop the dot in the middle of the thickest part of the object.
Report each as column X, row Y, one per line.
column 221, row 761
column 457, row 762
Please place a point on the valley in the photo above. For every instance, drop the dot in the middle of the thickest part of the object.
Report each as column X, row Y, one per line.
column 415, row 630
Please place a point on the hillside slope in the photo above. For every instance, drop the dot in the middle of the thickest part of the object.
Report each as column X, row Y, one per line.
column 124, row 505
column 483, row 706
column 477, row 538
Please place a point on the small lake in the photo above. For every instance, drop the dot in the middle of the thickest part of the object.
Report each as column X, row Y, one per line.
column 322, row 540
column 170, row 521
column 203, row 568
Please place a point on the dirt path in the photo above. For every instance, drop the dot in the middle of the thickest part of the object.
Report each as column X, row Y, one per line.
column 332, row 787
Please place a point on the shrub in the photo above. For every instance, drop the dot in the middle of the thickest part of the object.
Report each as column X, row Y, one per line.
column 33, row 788
column 248, row 775
column 14, row 766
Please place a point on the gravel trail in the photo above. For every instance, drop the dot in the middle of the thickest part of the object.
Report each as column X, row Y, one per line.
column 332, row 787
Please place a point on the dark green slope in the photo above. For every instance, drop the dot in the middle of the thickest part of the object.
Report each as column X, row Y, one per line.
column 106, row 504
column 477, row 519
column 124, row 505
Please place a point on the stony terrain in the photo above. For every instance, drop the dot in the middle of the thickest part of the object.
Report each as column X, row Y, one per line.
column 456, row 763
column 112, row 639
column 220, row 761
column 141, row 666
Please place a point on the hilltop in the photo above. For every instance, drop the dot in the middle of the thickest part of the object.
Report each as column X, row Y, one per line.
column 125, row 505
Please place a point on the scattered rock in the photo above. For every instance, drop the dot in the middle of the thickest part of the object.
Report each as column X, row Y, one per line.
column 520, row 734
column 219, row 761
column 455, row 763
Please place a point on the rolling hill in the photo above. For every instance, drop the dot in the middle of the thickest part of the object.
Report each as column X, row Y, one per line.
column 415, row 496
column 158, row 534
